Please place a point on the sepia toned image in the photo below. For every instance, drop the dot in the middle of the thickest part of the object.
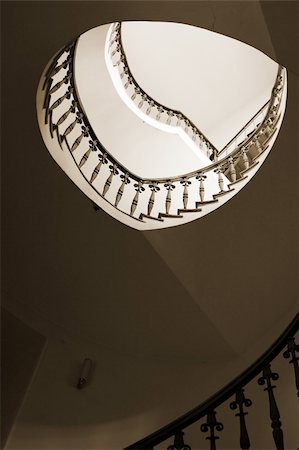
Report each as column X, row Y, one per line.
column 150, row 251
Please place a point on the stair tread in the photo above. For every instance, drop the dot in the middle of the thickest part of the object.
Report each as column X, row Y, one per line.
column 146, row 216
column 249, row 168
column 189, row 210
column 257, row 156
column 237, row 181
column 222, row 193
column 206, row 203
column 170, row 216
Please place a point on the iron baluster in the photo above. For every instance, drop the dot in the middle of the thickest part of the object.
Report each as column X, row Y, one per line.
column 232, row 169
column 154, row 188
column 77, row 142
column 200, row 177
column 186, row 183
column 138, row 188
column 211, row 425
column 267, row 376
column 103, row 160
column 169, row 187
column 114, row 171
column 239, row 402
column 125, row 180
column 291, row 353
column 219, row 171
column 179, row 443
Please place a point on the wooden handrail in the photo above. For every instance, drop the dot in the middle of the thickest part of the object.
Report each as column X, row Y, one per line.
column 221, row 396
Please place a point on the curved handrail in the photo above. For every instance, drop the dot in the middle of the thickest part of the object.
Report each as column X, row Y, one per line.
column 221, row 396
column 66, row 118
column 150, row 100
column 222, row 163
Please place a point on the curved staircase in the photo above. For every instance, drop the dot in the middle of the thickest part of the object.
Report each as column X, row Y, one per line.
column 140, row 202
column 171, row 436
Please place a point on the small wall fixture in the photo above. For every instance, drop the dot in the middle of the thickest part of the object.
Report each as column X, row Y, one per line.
column 85, row 373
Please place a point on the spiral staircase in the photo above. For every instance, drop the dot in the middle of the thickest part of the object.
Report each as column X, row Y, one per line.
column 169, row 316
column 145, row 203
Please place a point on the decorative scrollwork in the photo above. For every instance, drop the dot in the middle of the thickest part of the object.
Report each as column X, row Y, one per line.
column 212, row 425
column 239, row 402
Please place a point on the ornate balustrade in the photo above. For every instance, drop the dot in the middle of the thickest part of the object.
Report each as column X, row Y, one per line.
column 136, row 197
column 146, row 103
column 234, row 393
column 248, row 129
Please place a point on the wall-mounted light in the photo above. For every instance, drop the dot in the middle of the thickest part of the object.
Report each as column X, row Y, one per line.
column 84, row 373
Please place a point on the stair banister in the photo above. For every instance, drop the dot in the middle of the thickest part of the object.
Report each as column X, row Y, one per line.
column 221, row 396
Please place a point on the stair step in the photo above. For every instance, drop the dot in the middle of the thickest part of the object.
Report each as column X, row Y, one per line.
column 170, row 216
column 257, row 156
column 146, row 216
column 269, row 137
column 249, row 168
column 237, row 181
column 222, row 193
column 205, row 203
column 182, row 211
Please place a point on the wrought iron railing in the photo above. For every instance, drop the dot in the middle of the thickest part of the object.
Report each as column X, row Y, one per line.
column 153, row 197
column 234, row 392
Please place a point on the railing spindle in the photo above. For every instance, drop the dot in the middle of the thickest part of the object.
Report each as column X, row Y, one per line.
column 186, row 183
column 179, row 443
column 245, row 158
column 277, row 433
column 200, row 177
column 239, row 401
column 219, row 171
column 154, row 188
column 211, row 425
column 232, row 169
column 291, row 353
column 125, row 180
column 103, row 160
column 138, row 188
column 114, row 171
column 169, row 187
